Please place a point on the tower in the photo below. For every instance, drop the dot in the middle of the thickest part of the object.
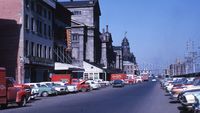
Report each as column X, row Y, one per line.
column 125, row 49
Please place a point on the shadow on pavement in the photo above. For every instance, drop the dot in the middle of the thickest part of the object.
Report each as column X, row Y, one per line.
column 14, row 106
column 184, row 110
column 174, row 102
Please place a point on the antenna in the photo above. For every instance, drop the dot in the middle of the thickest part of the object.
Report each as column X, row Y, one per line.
column 125, row 34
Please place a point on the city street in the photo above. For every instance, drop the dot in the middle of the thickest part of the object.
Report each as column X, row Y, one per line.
column 146, row 97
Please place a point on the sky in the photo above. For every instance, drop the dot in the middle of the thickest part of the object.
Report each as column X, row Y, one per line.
column 157, row 30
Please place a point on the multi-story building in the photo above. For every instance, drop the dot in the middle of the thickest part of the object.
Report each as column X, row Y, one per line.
column 31, row 44
column 178, row 68
column 127, row 55
column 129, row 60
column 78, row 43
column 129, row 68
column 108, row 56
column 87, row 13
column 119, row 59
column 62, row 25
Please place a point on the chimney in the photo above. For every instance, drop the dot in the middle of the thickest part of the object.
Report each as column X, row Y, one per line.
column 106, row 28
column 103, row 30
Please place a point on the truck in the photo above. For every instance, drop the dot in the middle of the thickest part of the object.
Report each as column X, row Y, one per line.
column 70, row 82
column 119, row 76
column 9, row 93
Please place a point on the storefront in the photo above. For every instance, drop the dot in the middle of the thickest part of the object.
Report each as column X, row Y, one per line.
column 93, row 72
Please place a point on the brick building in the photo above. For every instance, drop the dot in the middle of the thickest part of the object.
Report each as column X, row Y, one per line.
column 29, row 38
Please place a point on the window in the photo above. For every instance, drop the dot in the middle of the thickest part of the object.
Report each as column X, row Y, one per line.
column 45, row 53
column 38, row 50
column 26, row 48
column 45, row 13
column 32, row 49
column 39, row 9
column 40, row 27
column 32, row 5
column 75, row 37
column 45, row 29
column 26, row 22
column 50, row 52
column 49, row 32
column 32, row 24
column 76, row 12
column 49, row 15
column 27, row 3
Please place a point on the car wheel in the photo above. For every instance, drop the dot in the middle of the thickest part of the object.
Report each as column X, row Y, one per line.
column 45, row 94
column 23, row 102
column 83, row 90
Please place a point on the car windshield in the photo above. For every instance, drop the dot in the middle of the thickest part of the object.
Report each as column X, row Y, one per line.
column 56, row 84
column 38, row 85
column 117, row 81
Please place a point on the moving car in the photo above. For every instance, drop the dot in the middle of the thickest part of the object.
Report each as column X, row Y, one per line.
column 118, row 83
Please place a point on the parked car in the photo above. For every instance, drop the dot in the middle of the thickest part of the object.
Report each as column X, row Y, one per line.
column 93, row 84
column 70, row 88
column 196, row 105
column 81, row 85
column 60, row 89
column 43, row 90
column 118, row 83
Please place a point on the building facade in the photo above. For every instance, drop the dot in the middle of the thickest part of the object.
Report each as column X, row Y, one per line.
column 127, row 55
column 32, row 44
column 78, row 43
column 108, row 56
column 88, row 13
column 119, row 57
column 179, row 68
column 129, row 68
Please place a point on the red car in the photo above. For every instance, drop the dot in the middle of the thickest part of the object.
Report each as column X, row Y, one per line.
column 81, row 85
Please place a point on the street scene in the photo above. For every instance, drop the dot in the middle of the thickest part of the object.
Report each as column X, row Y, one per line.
column 99, row 56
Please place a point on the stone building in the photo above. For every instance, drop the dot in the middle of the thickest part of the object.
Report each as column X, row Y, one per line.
column 127, row 55
column 119, row 57
column 129, row 60
column 78, row 42
column 29, row 39
column 108, row 56
column 87, row 13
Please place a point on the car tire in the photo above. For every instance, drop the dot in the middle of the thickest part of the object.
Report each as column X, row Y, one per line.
column 44, row 94
column 23, row 102
column 83, row 90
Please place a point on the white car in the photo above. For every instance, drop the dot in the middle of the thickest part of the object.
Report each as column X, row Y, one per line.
column 138, row 79
column 93, row 84
column 70, row 88
column 34, row 90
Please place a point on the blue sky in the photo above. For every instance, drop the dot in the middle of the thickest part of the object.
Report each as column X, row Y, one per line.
column 157, row 29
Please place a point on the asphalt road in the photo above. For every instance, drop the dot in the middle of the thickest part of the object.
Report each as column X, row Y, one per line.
column 146, row 97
